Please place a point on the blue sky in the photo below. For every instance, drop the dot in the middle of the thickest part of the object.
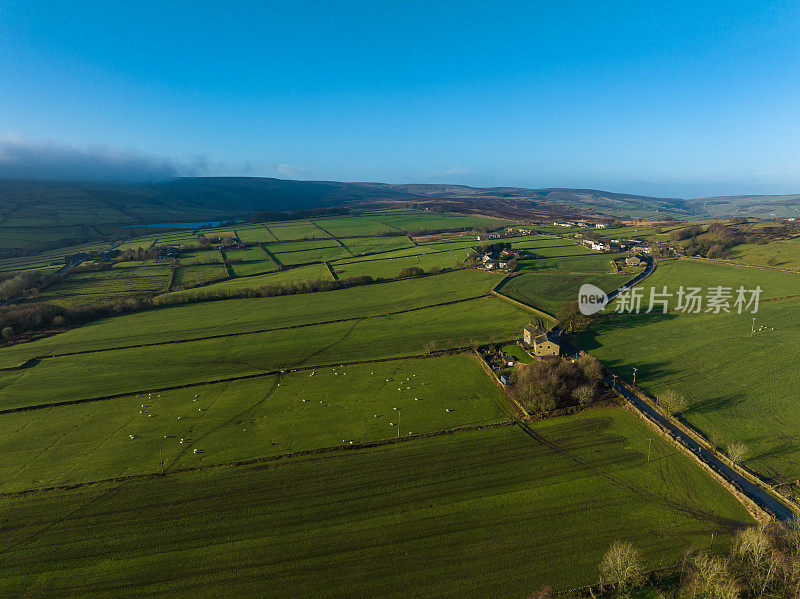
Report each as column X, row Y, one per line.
column 679, row 99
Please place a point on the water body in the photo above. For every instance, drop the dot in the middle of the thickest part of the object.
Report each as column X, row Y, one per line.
column 202, row 225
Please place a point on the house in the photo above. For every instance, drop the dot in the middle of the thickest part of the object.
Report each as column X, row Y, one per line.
column 542, row 344
column 601, row 226
column 491, row 264
column 633, row 261
column 504, row 379
column 486, row 257
column 508, row 360
column 503, row 263
column 480, row 238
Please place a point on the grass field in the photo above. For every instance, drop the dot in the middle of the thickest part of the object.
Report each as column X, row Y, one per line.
column 353, row 226
column 201, row 257
column 700, row 273
column 199, row 274
column 740, row 387
column 296, row 230
column 489, row 512
column 243, row 315
column 120, row 371
column 391, row 267
column 107, row 286
column 311, row 255
column 243, row 419
column 549, row 290
column 294, row 275
column 255, row 234
column 779, row 254
column 361, row 245
column 254, row 261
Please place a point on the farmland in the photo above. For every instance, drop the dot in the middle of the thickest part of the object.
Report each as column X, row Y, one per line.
column 270, row 369
column 739, row 385
column 438, row 503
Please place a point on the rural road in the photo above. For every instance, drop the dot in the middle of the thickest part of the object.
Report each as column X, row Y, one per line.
column 753, row 491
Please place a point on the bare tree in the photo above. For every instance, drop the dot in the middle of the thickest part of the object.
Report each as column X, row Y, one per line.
column 710, row 577
column 621, row 568
column 737, row 451
column 583, row 394
column 673, row 402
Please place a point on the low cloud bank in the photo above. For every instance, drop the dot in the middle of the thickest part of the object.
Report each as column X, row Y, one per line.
column 57, row 162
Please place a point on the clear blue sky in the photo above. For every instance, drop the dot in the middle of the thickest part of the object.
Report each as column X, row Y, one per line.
column 665, row 98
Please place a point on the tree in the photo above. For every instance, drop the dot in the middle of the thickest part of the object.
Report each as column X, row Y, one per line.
column 571, row 319
column 710, row 577
column 591, row 367
column 411, row 271
column 621, row 567
column 8, row 333
column 673, row 402
column 584, row 394
column 737, row 451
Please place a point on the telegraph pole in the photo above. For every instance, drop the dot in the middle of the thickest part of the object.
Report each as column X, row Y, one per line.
column 634, row 376
column 753, row 328
column 615, row 382
column 649, row 445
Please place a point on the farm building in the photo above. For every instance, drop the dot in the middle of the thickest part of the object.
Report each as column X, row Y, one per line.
column 633, row 261
column 490, row 264
column 542, row 345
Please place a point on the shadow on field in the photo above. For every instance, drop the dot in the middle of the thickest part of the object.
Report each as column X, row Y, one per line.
column 715, row 404
column 607, row 323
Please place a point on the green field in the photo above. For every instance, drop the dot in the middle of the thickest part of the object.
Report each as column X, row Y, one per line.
column 549, row 290
column 107, row 286
column 363, row 245
column 778, row 254
column 311, row 272
column 119, row 371
column 243, row 419
column 390, row 267
column 311, row 255
column 296, row 230
column 353, row 226
column 740, row 387
column 255, row 234
column 243, row 315
column 254, row 261
column 483, row 513
column 199, row 274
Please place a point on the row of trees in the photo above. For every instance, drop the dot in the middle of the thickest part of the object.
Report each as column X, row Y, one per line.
column 763, row 563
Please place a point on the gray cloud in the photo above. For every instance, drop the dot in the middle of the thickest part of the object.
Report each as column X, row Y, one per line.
column 52, row 161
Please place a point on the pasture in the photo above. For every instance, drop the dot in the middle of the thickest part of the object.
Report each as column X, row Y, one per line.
column 296, row 231
column 245, row 419
column 354, row 226
column 740, row 386
column 549, row 290
column 138, row 369
column 107, row 286
column 289, row 276
column 477, row 513
column 234, row 316
column 390, row 267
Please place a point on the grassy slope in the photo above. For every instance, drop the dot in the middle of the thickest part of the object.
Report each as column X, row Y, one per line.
column 242, row 315
column 243, row 419
column 486, row 513
column 142, row 369
column 741, row 388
